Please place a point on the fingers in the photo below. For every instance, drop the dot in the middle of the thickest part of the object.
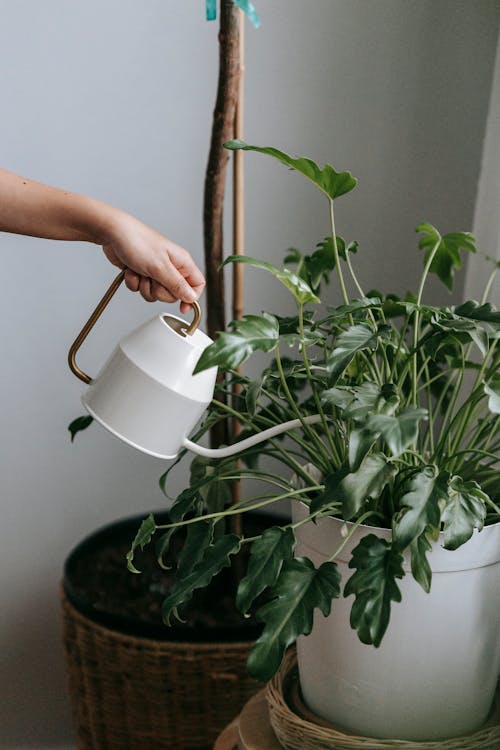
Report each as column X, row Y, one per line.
column 150, row 290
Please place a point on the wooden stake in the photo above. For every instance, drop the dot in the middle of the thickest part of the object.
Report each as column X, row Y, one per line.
column 238, row 236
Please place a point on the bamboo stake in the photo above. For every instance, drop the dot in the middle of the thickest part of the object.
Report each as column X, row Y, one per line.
column 238, row 233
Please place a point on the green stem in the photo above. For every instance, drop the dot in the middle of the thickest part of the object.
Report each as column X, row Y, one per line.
column 317, row 401
column 241, row 507
column 355, row 525
column 336, row 255
column 416, row 328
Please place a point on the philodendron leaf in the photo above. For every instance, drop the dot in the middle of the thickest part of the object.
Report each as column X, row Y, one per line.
column 465, row 511
column 358, row 401
column 143, row 537
column 198, row 536
column 492, row 389
column 366, row 482
column 420, row 503
column 398, row 431
column 475, row 311
column 374, row 586
column 299, row 288
column 267, row 555
column 215, row 557
column 79, row 424
column 356, row 306
column 447, row 256
column 249, row 334
column 299, row 589
column 360, row 442
column 348, row 343
column 333, row 184
column 420, row 568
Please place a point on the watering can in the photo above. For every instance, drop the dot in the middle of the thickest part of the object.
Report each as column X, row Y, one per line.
column 146, row 393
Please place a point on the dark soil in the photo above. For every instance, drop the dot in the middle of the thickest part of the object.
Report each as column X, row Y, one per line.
column 98, row 582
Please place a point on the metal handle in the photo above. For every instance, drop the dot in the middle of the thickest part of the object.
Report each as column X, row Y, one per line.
column 95, row 317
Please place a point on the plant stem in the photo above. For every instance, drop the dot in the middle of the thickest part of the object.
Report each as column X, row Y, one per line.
column 317, row 401
column 416, row 324
column 343, row 290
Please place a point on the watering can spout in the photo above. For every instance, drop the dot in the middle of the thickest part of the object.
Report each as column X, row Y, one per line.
column 259, row 437
column 146, row 393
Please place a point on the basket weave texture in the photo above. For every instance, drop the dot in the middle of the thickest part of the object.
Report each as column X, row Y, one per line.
column 297, row 733
column 130, row 693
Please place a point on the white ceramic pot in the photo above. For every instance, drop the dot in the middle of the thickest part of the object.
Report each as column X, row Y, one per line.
column 435, row 673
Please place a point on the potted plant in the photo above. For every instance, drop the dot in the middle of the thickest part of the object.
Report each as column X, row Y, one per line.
column 393, row 549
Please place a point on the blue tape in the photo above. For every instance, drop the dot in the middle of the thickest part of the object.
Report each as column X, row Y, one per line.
column 245, row 5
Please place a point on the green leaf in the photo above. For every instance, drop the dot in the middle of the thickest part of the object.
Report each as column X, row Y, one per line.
column 398, row 431
column 420, row 567
column 420, row 504
column 333, row 184
column 142, row 538
column 465, row 511
column 198, row 537
column 299, row 288
column 79, row 424
column 360, row 442
column 367, row 482
column 231, row 349
column 353, row 340
column 332, row 495
column 342, row 311
column 185, row 502
column 215, row 557
column 252, row 394
column 374, row 586
column 357, row 402
column 447, row 256
column 299, row 589
column 267, row 555
column 492, row 389
column 473, row 310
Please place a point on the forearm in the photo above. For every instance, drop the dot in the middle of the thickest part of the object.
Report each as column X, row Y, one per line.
column 31, row 208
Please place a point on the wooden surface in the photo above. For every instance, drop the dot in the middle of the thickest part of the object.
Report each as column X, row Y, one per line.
column 251, row 730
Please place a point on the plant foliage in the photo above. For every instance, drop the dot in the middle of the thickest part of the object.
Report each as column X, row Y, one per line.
column 408, row 398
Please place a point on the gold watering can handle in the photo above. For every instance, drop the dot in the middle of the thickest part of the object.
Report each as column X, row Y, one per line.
column 95, row 317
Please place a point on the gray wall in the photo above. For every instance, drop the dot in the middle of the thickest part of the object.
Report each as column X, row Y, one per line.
column 114, row 99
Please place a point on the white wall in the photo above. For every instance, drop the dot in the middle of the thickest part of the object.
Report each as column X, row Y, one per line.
column 487, row 212
column 114, row 99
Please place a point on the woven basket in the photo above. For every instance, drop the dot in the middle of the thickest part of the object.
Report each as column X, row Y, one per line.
column 295, row 732
column 132, row 693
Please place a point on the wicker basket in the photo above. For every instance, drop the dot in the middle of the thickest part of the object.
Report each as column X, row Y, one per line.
column 131, row 693
column 299, row 729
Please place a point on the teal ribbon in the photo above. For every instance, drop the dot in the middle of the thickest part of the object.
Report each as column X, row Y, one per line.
column 246, row 6
column 211, row 10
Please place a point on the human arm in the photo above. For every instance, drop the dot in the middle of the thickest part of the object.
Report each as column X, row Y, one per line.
column 157, row 267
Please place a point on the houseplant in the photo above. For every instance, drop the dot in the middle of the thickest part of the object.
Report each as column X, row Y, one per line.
column 404, row 465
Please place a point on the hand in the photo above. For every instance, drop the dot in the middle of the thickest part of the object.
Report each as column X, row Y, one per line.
column 157, row 268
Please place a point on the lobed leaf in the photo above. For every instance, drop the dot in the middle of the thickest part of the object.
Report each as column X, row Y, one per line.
column 374, row 586
column 420, row 568
column 142, row 538
column 214, row 559
column 299, row 288
column 399, row 431
column 447, row 256
column 267, row 556
column 198, row 537
column 299, row 589
column 420, row 503
column 366, row 482
column 333, row 184
column 355, row 339
column 232, row 348
column 465, row 510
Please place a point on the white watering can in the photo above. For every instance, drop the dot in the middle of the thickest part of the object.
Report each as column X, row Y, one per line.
column 146, row 393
